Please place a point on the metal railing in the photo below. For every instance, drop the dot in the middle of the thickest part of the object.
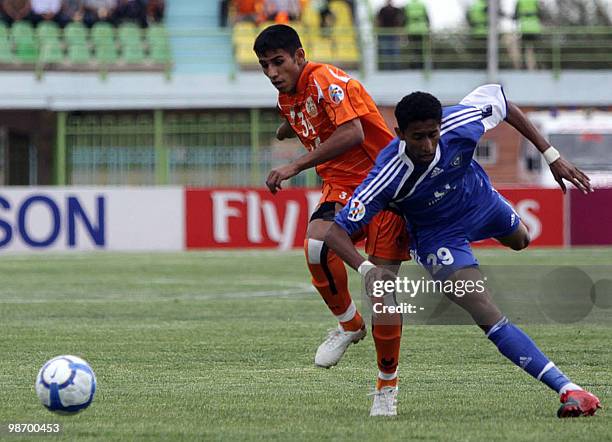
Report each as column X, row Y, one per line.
column 220, row 50
column 555, row 49
column 198, row 148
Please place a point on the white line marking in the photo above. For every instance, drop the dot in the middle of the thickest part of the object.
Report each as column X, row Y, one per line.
column 297, row 289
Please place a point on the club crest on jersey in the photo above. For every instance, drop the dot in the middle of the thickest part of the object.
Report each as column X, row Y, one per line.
column 311, row 107
column 336, row 94
column 356, row 210
column 457, row 161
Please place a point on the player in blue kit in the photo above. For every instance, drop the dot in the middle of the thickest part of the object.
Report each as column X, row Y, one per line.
column 428, row 175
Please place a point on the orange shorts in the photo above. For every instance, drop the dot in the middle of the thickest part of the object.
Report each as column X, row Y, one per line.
column 386, row 235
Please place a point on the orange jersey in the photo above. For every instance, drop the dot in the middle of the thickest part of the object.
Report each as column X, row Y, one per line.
column 325, row 98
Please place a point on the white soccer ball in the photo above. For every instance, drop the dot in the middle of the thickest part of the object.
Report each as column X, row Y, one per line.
column 66, row 384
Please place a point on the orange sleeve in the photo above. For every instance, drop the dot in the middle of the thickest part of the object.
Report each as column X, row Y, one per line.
column 342, row 96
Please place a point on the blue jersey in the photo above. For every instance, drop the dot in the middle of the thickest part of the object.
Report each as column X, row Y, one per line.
column 450, row 197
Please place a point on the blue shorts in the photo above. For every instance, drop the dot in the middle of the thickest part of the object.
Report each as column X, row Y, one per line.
column 444, row 249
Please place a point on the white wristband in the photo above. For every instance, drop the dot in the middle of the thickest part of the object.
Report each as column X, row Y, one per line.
column 551, row 155
column 365, row 267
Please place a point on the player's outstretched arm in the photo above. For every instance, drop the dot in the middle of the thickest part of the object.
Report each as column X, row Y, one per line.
column 345, row 136
column 559, row 166
column 285, row 131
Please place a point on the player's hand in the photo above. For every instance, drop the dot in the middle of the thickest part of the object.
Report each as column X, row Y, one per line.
column 564, row 170
column 373, row 287
column 280, row 174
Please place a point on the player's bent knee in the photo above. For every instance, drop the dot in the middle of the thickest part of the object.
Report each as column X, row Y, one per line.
column 522, row 242
column 526, row 241
column 519, row 240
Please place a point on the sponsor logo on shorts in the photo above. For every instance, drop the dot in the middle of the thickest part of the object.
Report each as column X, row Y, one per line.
column 336, row 94
column 356, row 211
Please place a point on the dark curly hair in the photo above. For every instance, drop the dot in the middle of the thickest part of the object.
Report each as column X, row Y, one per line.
column 418, row 106
column 277, row 37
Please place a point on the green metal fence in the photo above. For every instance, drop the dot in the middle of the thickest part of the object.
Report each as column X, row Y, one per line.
column 199, row 148
column 555, row 49
column 110, row 149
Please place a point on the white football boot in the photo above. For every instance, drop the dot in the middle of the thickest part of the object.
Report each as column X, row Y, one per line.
column 385, row 402
column 331, row 350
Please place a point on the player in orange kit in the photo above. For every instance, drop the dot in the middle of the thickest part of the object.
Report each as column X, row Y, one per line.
column 338, row 123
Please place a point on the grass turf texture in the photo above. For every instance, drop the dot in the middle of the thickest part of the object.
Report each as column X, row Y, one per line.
column 221, row 345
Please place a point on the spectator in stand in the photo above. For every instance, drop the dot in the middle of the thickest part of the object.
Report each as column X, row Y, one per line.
column 351, row 3
column 276, row 10
column 48, row 10
column 155, row 11
column 98, row 10
column 390, row 20
column 417, row 28
column 248, row 10
column 327, row 18
column 73, row 9
column 15, row 10
column 528, row 16
column 131, row 11
column 224, row 12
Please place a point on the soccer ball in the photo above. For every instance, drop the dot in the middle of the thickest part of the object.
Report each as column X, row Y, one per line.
column 66, row 384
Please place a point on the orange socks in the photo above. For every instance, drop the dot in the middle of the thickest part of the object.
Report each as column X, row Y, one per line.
column 387, row 340
column 330, row 279
column 380, row 382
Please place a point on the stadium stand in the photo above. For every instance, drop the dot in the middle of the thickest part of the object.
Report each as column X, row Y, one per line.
column 103, row 48
column 198, row 44
column 338, row 44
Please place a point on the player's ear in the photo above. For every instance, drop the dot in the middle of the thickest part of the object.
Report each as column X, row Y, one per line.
column 300, row 55
column 399, row 133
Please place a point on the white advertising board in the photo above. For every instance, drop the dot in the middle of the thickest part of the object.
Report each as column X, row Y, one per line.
column 91, row 218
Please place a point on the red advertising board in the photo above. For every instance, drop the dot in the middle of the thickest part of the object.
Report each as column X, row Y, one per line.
column 591, row 217
column 542, row 211
column 237, row 218
column 254, row 218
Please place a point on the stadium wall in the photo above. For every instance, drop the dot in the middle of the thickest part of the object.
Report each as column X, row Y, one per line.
column 34, row 219
column 123, row 91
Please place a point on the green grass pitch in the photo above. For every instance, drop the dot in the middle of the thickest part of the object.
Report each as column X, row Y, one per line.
column 220, row 345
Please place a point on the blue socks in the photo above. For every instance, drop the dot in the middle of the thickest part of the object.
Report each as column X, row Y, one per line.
column 514, row 344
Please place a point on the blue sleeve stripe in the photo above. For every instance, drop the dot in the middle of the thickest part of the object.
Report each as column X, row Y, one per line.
column 379, row 180
column 459, row 116
column 461, row 123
